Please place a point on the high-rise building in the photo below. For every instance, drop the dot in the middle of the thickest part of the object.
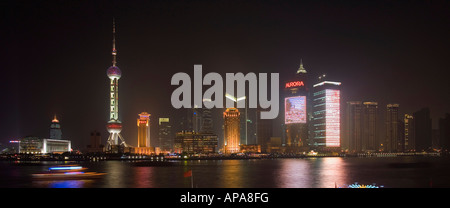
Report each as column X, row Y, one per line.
column 326, row 116
column 144, row 146
column 95, row 143
column 143, row 124
column 361, row 127
column 410, row 139
column 55, row 129
column 196, row 119
column 296, row 106
column 370, row 141
column 114, row 125
column 422, row 126
column 392, row 143
column 165, row 134
column 232, row 133
column 435, row 139
column 444, row 132
column 354, row 126
column 401, row 136
column 249, row 126
column 263, row 131
column 207, row 125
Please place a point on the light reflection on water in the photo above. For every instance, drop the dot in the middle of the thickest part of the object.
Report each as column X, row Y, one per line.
column 265, row 173
column 63, row 184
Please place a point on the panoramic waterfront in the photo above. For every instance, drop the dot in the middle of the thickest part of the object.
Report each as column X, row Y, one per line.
column 325, row 172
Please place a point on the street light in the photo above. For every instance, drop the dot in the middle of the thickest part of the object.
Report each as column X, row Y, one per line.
column 231, row 97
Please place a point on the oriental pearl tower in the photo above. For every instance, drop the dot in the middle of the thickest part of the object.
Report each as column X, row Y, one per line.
column 114, row 125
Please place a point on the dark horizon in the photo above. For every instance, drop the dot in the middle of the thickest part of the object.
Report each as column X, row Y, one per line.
column 55, row 55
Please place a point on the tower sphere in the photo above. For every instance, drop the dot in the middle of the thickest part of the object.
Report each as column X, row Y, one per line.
column 114, row 72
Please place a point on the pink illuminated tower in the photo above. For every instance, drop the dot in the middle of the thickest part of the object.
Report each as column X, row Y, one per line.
column 114, row 125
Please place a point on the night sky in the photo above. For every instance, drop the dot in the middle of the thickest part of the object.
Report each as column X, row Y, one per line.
column 54, row 55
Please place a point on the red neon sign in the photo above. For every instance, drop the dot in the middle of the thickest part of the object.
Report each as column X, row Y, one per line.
column 142, row 122
column 295, row 84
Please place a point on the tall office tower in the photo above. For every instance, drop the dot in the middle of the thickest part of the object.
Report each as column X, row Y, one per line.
column 196, row 119
column 391, row 143
column 207, row 125
column 232, row 133
column 422, row 126
column 354, row 126
column 410, row 139
column 263, row 131
column 444, row 132
column 326, row 112
column 251, row 125
column 114, row 125
column 143, row 123
column 55, row 129
column 370, row 141
column 165, row 134
column 296, row 111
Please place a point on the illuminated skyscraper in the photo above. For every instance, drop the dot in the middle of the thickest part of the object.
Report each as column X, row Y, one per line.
column 232, row 133
column 409, row 132
column 326, row 115
column 296, row 111
column 114, row 125
column 143, row 123
column 55, row 129
column 392, row 143
column 165, row 134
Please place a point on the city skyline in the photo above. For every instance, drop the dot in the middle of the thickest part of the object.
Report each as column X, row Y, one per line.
column 44, row 67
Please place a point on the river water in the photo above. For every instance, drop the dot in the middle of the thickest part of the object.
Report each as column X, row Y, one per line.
column 326, row 172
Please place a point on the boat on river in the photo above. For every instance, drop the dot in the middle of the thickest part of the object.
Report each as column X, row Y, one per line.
column 67, row 172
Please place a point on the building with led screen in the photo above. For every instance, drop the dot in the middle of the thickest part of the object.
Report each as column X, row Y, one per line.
column 326, row 115
column 296, row 110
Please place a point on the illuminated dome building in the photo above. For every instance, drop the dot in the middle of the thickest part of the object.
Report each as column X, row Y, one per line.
column 114, row 125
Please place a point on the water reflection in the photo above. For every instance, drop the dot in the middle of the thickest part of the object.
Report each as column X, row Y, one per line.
column 294, row 173
column 63, row 184
column 330, row 171
column 143, row 177
column 116, row 177
column 230, row 174
column 277, row 173
column 311, row 172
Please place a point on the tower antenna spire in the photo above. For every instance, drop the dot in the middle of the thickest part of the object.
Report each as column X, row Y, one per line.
column 114, row 51
column 301, row 69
